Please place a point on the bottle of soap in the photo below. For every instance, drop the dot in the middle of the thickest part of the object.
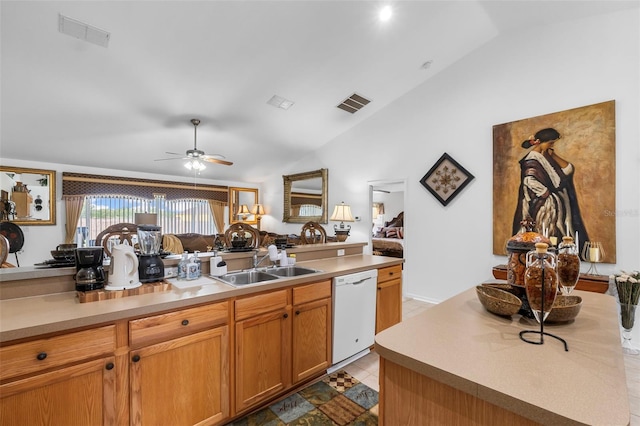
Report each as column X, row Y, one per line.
column 182, row 266
column 196, row 259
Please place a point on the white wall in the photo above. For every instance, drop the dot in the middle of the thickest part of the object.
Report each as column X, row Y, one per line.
column 529, row 72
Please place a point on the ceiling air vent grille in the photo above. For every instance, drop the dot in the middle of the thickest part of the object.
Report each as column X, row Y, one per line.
column 353, row 103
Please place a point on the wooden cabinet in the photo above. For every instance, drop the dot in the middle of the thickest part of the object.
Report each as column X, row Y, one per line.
column 23, row 202
column 263, row 347
column 68, row 379
column 389, row 297
column 311, row 330
column 282, row 338
column 181, row 374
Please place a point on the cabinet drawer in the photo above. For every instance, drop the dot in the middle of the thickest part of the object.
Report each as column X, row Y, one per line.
column 260, row 304
column 42, row 354
column 389, row 273
column 153, row 329
column 311, row 292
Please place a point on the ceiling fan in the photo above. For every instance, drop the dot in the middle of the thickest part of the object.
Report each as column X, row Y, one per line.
column 195, row 156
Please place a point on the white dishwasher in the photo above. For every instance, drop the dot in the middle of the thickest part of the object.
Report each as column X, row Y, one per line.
column 354, row 316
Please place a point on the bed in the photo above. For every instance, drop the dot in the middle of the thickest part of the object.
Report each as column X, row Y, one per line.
column 388, row 240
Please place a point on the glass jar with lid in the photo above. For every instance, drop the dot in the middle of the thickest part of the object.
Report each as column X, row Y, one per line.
column 541, row 281
column 568, row 265
column 517, row 248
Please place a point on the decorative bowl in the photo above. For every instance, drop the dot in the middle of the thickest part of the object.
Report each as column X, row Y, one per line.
column 63, row 254
column 498, row 301
column 565, row 308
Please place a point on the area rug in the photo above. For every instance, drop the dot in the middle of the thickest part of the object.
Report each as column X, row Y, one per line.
column 336, row 399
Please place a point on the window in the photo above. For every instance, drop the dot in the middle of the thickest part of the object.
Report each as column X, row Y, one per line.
column 174, row 216
column 310, row 210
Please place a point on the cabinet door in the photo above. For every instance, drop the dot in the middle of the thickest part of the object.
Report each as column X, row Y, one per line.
column 183, row 381
column 83, row 394
column 263, row 357
column 388, row 304
column 311, row 338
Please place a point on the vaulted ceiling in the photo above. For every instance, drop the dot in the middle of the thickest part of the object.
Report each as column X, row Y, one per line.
column 65, row 100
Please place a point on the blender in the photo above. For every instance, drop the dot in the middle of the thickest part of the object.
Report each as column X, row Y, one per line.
column 150, row 266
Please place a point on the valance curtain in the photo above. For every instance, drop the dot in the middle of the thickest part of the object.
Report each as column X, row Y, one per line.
column 75, row 184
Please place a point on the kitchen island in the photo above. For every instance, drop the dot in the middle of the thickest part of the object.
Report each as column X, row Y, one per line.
column 459, row 364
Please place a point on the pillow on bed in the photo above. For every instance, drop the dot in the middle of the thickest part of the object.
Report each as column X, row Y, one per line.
column 393, row 232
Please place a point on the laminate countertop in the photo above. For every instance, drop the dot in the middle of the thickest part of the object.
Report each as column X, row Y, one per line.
column 460, row 344
column 49, row 313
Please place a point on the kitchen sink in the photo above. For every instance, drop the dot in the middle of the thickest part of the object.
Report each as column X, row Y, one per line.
column 246, row 277
column 291, row 271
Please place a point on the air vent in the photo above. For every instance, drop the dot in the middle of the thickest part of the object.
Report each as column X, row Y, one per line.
column 353, row 103
column 280, row 102
column 86, row 32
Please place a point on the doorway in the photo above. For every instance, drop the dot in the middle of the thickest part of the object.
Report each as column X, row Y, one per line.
column 387, row 201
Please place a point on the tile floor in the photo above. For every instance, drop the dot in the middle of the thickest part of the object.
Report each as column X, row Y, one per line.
column 365, row 369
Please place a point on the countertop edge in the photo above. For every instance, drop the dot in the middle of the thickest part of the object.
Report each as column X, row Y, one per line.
column 108, row 311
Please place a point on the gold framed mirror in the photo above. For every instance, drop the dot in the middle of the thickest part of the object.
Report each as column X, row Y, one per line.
column 241, row 201
column 306, row 197
column 27, row 196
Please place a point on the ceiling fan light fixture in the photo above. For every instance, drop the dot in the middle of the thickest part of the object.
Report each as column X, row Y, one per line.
column 195, row 164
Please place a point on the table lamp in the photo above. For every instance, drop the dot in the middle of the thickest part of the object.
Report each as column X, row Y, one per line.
column 342, row 213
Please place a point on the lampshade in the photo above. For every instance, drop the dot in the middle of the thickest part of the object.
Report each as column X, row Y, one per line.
column 342, row 213
column 244, row 210
column 145, row 218
column 257, row 210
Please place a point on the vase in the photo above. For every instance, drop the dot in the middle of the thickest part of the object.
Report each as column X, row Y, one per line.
column 627, row 320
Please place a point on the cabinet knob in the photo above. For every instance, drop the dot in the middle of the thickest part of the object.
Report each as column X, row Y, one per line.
column 109, row 366
column 41, row 356
column 185, row 322
column 285, row 316
column 135, row 358
column 379, row 288
column 297, row 312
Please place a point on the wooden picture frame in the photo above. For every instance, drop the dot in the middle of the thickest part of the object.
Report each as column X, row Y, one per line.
column 587, row 142
column 446, row 179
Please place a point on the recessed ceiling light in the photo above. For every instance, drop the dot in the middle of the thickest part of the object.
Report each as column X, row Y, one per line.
column 280, row 102
column 385, row 13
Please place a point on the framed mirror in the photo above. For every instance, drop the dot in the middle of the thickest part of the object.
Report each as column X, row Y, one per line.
column 305, row 197
column 241, row 201
column 27, row 196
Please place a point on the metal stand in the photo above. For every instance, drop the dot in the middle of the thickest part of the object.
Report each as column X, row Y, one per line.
column 542, row 333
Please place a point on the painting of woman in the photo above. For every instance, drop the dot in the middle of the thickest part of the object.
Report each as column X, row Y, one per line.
column 547, row 193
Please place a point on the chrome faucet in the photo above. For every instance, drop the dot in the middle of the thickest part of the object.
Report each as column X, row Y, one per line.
column 257, row 262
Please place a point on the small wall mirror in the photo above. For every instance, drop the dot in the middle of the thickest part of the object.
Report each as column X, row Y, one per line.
column 241, row 201
column 305, row 197
column 27, row 196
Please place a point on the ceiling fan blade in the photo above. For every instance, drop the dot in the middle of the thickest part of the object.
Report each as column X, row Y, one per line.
column 165, row 159
column 217, row 160
column 173, row 153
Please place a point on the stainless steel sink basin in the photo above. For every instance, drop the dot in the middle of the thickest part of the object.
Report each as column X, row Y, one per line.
column 246, row 277
column 291, row 271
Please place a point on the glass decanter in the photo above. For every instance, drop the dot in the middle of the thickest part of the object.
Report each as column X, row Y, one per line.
column 568, row 265
column 541, row 281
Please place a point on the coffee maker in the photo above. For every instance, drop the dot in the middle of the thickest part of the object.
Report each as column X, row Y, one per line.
column 89, row 271
column 150, row 266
